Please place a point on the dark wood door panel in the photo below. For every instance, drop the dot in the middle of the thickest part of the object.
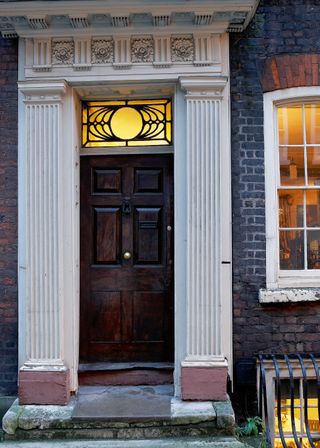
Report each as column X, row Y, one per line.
column 148, row 235
column 106, row 181
column 126, row 304
column 107, row 231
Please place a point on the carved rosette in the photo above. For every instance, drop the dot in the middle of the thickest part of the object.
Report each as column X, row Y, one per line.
column 102, row 51
column 142, row 49
column 63, row 52
column 182, row 49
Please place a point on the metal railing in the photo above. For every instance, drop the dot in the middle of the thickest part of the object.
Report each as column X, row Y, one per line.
column 287, row 360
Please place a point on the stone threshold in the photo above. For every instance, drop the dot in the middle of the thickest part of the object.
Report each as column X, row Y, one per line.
column 84, row 419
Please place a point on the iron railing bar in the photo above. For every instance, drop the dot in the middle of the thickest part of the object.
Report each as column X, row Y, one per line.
column 316, row 369
column 265, row 404
column 278, row 394
column 305, row 399
column 294, row 431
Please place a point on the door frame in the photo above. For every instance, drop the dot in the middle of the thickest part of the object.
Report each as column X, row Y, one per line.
column 67, row 97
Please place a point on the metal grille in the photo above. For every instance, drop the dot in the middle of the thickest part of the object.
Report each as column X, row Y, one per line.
column 288, row 372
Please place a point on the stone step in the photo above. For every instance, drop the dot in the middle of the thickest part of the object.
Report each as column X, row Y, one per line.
column 130, row 413
column 125, row 373
column 217, row 442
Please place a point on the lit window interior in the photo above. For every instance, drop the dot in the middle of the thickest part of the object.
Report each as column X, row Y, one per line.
column 126, row 123
column 299, row 186
column 313, row 417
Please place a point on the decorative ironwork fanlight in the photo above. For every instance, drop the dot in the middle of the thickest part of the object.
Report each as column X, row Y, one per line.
column 126, row 123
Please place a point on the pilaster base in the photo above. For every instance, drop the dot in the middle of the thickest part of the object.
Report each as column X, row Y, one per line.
column 204, row 383
column 44, row 387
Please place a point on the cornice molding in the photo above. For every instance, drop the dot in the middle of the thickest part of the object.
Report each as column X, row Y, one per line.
column 65, row 18
column 202, row 87
column 43, row 92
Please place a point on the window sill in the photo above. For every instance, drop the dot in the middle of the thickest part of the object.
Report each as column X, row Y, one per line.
column 289, row 295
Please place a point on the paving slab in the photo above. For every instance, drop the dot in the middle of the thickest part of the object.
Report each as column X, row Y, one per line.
column 124, row 402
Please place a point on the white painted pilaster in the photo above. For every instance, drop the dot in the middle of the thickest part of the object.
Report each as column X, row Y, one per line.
column 204, row 303
column 43, row 195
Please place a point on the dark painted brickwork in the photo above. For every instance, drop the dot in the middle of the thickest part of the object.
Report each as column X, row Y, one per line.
column 8, row 216
column 278, row 28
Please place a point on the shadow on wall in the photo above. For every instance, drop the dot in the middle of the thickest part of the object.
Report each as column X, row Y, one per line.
column 5, row 403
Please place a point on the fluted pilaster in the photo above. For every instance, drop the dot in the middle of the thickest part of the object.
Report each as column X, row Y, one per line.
column 43, row 221
column 204, row 348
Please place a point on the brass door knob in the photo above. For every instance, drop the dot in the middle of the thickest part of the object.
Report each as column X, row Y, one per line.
column 127, row 255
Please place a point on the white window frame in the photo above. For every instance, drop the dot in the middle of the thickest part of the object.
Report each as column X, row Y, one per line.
column 276, row 278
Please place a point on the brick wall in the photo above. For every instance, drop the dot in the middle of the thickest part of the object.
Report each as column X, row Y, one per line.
column 279, row 28
column 8, row 216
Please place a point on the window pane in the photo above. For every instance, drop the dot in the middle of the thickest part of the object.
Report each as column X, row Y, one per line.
column 313, row 419
column 285, row 391
column 290, row 125
column 306, row 443
column 313, row 156
column 313, row 249
column 312, row 120
column 313, row 208
column 312, row 392
column 290, row 208
column 292, row 166
column 286, row 419
column 290, row 443
column 291, row 249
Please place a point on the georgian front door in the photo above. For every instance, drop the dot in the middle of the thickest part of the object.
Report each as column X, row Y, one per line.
column 126, row 258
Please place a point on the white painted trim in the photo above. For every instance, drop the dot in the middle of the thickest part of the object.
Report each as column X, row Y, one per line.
column 41, row 18
column 289, row 295
column 275, row 277
column 214, row 88
column 208, row 294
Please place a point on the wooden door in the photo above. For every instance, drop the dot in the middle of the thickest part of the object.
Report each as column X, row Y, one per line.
column 126, row 258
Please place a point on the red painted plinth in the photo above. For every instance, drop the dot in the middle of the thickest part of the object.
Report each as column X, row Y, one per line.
column 48, row 387
column 204, row 383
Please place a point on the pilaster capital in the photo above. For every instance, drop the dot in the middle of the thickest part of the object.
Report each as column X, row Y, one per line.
column 203, row 87
column 43, row 91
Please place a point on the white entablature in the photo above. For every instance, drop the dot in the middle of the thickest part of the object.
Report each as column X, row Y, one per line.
column 103, row 36
column 64, row 18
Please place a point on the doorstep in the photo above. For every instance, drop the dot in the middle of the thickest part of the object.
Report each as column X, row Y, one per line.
column 125, row 412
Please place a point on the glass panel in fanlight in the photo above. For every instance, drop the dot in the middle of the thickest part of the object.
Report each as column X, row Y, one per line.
column 290, row 208
column 313, row 160
column 313, row 249
column 313, row 208
column 312, row 121
column 292, row 165
column 286, row 419
column 291, row 246
column 126, row 123
column 290, row 127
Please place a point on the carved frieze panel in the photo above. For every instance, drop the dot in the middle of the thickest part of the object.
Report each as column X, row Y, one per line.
column 122, row 52
column 182, row 48
column 102, row 51
column 62, row 52
column 142, row 49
